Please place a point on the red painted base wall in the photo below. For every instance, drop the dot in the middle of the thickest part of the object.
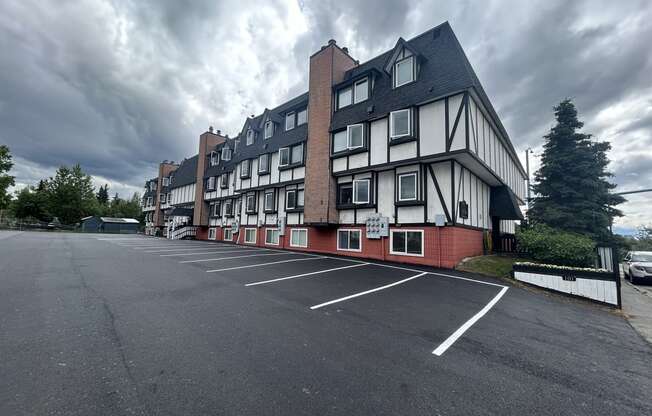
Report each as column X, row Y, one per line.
column 443, row 247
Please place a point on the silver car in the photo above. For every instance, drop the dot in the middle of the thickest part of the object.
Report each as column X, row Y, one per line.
column 638, row 266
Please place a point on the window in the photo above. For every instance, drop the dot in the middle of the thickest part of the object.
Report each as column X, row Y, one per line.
column 289, row 121
column 406, row 242
column 244, row 168
column 169, row 197
column 251, row 203
column 263, row 163
column 361, row 91
column 340, row 141
column 238, row 206
column 149, row 201
column 215, row 209
column 297, row 154
column 224, row 180
column 348, row 240
column 344, row 97
column 271, row 236
column 407, row 187
column 228, row 207
column 269, row 201
column 345, row 194
column 291, row 199
column 161, row 198
column 166, row 181
column 152, row 186
column 302, row 117
column 361, row 188
column 299, row 237
column 250, row 137
column 212, row 233
column 404, row 71
column 214, row 160
column 400, row 123
column 284, row 156
column 210, row 183
column 269, row 129
column 228, row 234
column 250, row 236
column 354, row 136
column 226, row 153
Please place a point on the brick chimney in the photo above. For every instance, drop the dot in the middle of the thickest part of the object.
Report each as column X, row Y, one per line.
column 207, row 141
column 327, row 68
column 164, row 169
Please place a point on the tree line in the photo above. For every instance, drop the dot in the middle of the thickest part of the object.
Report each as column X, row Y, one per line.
column 67, row 197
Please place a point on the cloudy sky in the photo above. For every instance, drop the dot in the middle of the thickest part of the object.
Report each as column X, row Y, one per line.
column 119, row 85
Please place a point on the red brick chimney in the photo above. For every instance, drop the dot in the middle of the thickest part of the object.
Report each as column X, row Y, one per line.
column 207, row 141
column 327, row 68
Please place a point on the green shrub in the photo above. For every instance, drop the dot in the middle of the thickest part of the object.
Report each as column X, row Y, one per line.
column 552, row 246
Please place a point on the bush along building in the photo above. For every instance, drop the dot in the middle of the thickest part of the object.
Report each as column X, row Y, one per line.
column 401, row 158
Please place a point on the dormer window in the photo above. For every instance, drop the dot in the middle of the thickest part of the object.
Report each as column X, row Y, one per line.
column 224, row 181
column 354, row 94
column 269, row 129
column 404, row 70
column 166, row 181
column 226, row 153
column 289, row 120
column 344, row 97
column 214, row 159
column 250, row 137
column 361, row 91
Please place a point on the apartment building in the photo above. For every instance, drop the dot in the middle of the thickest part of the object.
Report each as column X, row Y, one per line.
column 400, row 158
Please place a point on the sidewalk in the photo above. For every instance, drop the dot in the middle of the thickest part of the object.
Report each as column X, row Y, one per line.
column 637, row 306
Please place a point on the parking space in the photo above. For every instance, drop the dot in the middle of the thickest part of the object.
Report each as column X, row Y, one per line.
column 436, row 306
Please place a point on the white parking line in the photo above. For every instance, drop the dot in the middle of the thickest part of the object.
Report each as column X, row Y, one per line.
column 305, row 274
column 239, row 257
column 163, row 250
column 461, row 330
column 263, row 264
column 209, row 252
column 366, row 292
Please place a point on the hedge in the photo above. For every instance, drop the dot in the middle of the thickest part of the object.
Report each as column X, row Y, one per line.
column 553, row 246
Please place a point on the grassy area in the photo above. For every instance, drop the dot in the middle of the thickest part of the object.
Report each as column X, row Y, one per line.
column 494, row 265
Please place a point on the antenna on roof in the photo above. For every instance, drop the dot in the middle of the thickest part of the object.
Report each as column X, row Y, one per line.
column 210, row 129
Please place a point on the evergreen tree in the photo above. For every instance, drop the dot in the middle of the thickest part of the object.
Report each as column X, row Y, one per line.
column 103, row 194
column 31, row 203
column 5, row 180
column 572, row 191
column 71, row 195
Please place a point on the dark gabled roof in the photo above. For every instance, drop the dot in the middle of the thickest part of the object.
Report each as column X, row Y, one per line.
column 503, row 204
column 186, row 173
column 443, row 70
column 280, row 138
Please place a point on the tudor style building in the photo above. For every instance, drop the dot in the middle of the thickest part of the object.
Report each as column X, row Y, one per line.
column 408, row 138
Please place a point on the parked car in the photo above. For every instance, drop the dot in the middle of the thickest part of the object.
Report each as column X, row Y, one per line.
column 638, row 266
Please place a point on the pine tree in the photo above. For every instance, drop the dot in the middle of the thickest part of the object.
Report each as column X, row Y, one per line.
column 5, row 180
column 103, row 194
column 572, row 191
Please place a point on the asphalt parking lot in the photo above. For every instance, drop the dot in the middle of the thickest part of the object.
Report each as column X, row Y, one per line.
column 98, row 324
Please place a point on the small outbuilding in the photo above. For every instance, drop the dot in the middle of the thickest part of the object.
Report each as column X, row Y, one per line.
column 95, row 224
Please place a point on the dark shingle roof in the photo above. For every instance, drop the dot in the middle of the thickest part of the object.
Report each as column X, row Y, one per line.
column 185, row 173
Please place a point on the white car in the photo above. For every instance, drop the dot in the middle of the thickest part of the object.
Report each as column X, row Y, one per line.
column 638, row 266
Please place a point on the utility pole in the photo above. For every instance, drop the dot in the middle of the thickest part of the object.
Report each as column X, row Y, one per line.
column 527, row 170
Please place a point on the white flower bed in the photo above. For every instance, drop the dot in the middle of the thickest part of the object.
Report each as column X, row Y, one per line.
column 556, row 267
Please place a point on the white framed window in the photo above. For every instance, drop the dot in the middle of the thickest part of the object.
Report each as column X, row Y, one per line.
column 289, row 120
column 251, row 203
column 344, row 97
column 250, row 137
column 361, row 191
column 269, row 201
column 214, row 160
column 302, row 117
column 404, row 71
column 226, row 153
column 354, row 136
column 406, row 242
column 291, row 199
column 299, row 237
column 250, row 236
column 212, row 233
column 284, row 156
column 297, row 154
column 245, row 168
column 340, row 141
column 228, row 234
column 361, row 91
column 400, row 123
column 166, row 181
column 149, row 201
column 161, row 198
column 215, row 209
column 263, row 163
column 269, row 129
column 210, row 184
column 349, row 240
column 271, row 236
column 407, row 186
column 224, row 180
column 228, row 207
